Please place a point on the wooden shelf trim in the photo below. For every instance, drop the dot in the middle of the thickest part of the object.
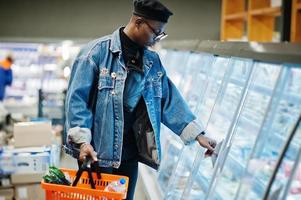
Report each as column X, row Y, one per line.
column 298, row 6
column 276, row 11
column 236, row 16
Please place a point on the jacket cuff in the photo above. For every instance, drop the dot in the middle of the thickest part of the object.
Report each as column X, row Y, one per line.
column 79, row 135
column 191, row 131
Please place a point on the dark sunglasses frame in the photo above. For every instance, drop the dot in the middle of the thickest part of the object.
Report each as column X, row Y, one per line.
column 159, row 36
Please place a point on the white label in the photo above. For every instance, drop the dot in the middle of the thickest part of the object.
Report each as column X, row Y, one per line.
column 5, row 182
column 22, row 192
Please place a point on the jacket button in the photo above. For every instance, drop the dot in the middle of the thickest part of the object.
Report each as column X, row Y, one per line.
column 113, row 75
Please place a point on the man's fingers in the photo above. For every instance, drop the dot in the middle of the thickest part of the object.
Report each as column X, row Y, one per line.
column 82, row 156
column 94, row 156
column 208, row 153
column 87, row 151
column 207, row 143
column 209, row 147
column 212, row 143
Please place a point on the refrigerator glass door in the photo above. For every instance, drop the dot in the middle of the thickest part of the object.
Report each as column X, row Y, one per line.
column 282, row 114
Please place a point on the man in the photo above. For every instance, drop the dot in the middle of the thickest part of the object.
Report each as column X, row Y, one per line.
column 6, row 76
column 119, row 94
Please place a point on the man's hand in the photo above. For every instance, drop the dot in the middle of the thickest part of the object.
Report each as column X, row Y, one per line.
column 86, row 150
column 207, row 143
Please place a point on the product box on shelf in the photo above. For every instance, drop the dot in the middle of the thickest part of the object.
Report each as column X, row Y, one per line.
column 30, row 134
column 29, row 192
column 30, row 164
column 6, row 193
column 26, row 165
column 27, row 178
column 7, row 165
column 31, row 160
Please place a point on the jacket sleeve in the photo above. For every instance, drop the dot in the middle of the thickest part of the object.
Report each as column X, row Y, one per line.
column 176, row 114
column 79, row 116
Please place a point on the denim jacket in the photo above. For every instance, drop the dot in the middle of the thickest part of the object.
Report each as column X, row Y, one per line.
column 99, row 73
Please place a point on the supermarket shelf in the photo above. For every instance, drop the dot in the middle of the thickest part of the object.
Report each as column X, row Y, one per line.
column 257, row 88
column 204, row 184
column 258, row 186
column 243, row 121
column 293, row 98
column 236, row 16
column 236, row 166
column 276, row 11
column 278, row 140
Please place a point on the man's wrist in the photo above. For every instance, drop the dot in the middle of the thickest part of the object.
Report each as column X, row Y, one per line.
column 81, row 145
column 201, row 134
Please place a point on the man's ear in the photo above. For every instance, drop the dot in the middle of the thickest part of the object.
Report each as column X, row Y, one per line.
column 138, row 22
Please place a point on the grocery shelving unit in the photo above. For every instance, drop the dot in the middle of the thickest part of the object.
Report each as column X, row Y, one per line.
column 233, row 19
column 52, row 106
column 296, row 21
column 261, row 20
column 252, row 20
column 37, row 66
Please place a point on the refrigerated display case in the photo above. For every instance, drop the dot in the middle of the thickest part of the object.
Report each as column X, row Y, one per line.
column 191, row 86
column 248, row 98
column 284, row 109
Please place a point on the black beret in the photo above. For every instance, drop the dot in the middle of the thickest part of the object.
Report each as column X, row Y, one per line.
column 151, row 9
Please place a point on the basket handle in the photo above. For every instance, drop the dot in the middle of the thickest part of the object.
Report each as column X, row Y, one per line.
column 86, row 166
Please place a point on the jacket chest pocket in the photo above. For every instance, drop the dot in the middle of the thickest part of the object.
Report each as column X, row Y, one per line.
column 107, row 82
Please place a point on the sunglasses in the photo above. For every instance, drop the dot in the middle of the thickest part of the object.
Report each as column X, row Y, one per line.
column 159, row 36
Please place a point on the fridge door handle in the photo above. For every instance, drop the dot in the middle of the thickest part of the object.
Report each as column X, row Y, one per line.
column 217, row 153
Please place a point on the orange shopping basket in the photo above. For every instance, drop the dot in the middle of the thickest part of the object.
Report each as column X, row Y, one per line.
column 83, row 188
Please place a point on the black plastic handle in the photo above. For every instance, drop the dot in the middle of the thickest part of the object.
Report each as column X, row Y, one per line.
column 86, row 166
